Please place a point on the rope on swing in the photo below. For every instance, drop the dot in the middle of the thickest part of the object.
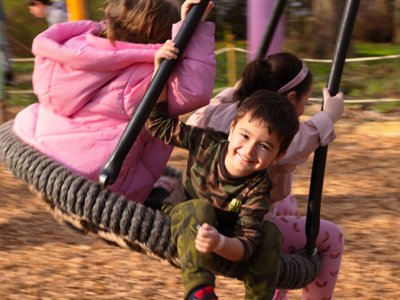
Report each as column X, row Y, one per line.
column 89, row 207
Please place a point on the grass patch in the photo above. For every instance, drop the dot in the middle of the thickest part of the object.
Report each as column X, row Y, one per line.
column 372, row 49
column 23, row 67
column 385, row 107
column 21, row 99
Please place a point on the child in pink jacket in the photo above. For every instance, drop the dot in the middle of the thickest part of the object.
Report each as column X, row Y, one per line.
column 89, row 78
column 288, row 75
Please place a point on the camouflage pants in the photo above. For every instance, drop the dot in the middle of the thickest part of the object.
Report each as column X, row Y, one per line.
column 259, row 272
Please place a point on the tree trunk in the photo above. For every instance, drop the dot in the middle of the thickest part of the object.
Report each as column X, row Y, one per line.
column 327, row 15
column 396, row 22
column 375, row 21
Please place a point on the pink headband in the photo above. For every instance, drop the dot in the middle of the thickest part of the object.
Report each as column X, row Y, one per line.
column 295, row 81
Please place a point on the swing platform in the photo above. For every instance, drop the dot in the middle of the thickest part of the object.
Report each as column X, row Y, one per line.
column 90, row 208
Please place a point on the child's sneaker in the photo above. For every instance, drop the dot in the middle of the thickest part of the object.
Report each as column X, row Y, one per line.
column 204, row 293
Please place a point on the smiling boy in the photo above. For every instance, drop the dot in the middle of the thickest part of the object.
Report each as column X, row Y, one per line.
column 217, row 208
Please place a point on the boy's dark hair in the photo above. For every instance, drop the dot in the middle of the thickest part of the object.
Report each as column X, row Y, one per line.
column 34, row 2
column 275, row 111
column 272, row 73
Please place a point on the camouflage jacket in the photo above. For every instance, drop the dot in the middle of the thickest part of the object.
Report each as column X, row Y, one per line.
column 240, row 203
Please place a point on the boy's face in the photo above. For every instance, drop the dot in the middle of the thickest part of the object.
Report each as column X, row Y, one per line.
column 251, row 147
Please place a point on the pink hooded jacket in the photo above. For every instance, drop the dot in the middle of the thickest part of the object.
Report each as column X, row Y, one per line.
column 88, row 89
column 318, row 130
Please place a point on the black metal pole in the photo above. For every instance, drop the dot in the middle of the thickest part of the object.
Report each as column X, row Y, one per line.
column 110, row 171
column 276, row 14
column 320, row 154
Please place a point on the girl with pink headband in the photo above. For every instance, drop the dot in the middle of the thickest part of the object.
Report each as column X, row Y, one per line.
column 288, row 75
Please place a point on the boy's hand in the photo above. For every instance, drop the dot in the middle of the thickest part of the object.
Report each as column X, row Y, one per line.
column 167, row 51
column 333, row 106
column 189, row 3
column 207, row 238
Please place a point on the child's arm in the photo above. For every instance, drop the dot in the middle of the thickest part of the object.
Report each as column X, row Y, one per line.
column 191, row 84
column 159, row 123
column 317, row 131
column 218, row 114
column 168, row 50
column 209, row 240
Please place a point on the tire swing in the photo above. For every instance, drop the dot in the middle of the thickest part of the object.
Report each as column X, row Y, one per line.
column 91, row 208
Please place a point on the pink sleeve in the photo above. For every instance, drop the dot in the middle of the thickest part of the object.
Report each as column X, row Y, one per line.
column 218, row 114
column 201, row 117
column 191, row 84
column 318, row 130
column 325, row 127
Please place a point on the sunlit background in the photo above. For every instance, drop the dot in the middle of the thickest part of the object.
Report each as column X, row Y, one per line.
column 40, row 259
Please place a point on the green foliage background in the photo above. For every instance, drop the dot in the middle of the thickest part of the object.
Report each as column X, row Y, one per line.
column 361, row 80
column 21, row 27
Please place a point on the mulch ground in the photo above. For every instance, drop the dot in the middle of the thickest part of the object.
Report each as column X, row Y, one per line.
column 41, row 259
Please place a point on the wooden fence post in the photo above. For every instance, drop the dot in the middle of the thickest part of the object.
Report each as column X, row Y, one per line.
column 230, row 59
column 76, row 10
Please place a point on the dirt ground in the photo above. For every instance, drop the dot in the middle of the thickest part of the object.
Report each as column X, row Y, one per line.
column 40, row 259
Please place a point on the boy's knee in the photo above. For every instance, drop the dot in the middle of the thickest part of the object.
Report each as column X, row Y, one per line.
column 201, row 204
column 199, row 207
column 198, row 210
